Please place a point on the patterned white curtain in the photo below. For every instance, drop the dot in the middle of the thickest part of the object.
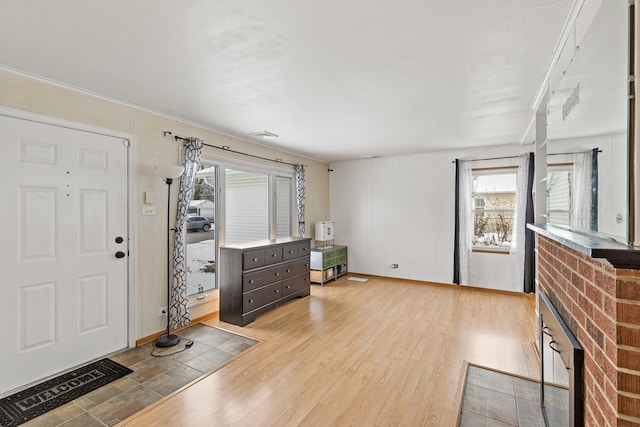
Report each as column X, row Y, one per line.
column 300, row 188
column 517, row 250
column 179, row 305
column 581, row 189
column 466, row 220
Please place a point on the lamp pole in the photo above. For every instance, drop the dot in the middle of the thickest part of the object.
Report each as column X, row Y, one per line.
column 168, row 339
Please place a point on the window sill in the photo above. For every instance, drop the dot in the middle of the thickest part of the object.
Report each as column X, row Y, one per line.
column 491, row 251
column 203, row 298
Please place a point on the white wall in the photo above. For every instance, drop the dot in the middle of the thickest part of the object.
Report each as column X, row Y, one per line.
column 390, row 210
column 490, row 270
column 401, row 210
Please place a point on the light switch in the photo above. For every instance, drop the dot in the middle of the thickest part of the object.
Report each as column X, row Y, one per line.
column 148, row 210
column 148, row 197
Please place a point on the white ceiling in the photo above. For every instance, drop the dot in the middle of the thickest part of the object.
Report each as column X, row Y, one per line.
column 335, row 79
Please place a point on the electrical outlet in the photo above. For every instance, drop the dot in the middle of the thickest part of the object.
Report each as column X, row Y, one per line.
column 394, row 265
column 148, row 210
column 162, row 311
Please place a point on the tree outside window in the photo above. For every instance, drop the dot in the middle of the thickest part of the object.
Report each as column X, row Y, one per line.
column 494, row 201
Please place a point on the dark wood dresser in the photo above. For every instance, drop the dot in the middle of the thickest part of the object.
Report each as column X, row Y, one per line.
column 257, row 276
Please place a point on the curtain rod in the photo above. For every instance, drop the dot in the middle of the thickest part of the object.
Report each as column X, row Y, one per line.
column 227, row 148
column 573, row 152
column 513, row 157
column 490, row 158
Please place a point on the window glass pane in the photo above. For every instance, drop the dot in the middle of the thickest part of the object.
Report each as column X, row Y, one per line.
column 493, row 229
column 283, row 206
column 201, row 235
column 494, row 202
column 559, row 197
column 246, row 206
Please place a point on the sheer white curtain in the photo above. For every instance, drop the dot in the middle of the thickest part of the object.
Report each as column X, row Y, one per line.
column 581, row 191
column 517, row 250
column 466, row 221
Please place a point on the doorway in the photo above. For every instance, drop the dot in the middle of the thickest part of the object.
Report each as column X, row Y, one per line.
column 64, row 258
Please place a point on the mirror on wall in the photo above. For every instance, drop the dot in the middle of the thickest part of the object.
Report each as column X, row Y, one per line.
column 587, row 121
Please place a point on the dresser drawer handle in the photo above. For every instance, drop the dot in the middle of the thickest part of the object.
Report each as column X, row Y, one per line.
column 290, row 252
column 306, row 265
column 277, row 291
column 306, row 279
column 250, row 301
column 304, row 249
column 277, row 273
column 273, row 255
column 255, row 259
column 288, row 286
column 288, row 270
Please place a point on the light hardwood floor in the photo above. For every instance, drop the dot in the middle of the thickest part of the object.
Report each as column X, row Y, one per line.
column 384, row 352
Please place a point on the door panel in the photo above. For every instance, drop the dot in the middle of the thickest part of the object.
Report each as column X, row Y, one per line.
column 92, row 303
column 38, row 318
column 93, row 222
column 63, row 293
column 37, row 218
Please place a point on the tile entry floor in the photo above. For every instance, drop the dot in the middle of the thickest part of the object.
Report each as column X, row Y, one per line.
column 152, row 378
column 495, row 399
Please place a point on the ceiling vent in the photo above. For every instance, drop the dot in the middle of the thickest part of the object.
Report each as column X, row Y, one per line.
column 265, row 134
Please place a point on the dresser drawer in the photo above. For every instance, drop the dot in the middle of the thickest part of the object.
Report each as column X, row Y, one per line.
column 290, row 251
column 272, row 255
column 260, row 278
column 295, row 284
column 295, row 267
column 341, row 252
column 304, row 248
column 261, row 297
column 341, row 259
column 252, row 259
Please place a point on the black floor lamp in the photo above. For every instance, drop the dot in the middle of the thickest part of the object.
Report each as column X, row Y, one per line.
column 169, row 173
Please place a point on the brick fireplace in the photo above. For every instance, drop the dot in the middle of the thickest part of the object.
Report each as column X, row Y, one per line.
column 597, row 293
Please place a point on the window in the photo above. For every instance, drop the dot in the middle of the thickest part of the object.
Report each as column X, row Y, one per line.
column 201, row 233
column 258, row 206
column 559, row 196
column 249, row 214
column 246, row 206
column 494, row 203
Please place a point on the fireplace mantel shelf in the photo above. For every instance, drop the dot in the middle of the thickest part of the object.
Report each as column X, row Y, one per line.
column 618, row 254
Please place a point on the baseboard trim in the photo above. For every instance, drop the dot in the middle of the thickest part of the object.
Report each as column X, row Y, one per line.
column 153, row 337
column 425, row 282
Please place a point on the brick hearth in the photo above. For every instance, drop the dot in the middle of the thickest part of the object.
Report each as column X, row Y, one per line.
column 601, row 306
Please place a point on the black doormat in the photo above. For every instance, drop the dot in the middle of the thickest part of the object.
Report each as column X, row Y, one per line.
column 35, row 401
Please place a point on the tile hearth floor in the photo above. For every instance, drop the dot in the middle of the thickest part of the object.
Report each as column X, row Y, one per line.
column 152, row 378
column 495, row 399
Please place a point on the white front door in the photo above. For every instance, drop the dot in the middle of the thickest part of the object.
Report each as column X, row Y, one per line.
column 63, row 215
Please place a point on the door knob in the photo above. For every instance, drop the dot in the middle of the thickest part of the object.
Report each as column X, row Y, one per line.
column 119, row 239
column 119, row 254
